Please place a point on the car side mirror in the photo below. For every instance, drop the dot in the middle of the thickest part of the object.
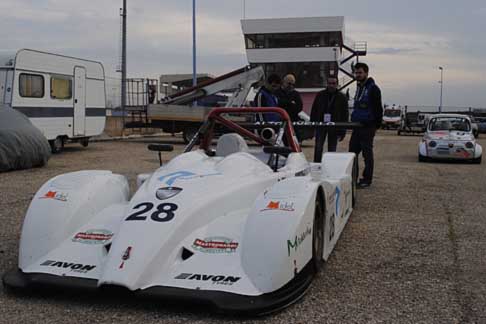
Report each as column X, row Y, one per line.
column 160, row 148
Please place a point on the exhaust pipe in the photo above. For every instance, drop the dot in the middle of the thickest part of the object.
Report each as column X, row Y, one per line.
column 268, row 134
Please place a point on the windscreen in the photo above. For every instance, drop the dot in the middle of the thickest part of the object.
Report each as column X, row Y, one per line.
column 392, row 113
column 450, row 124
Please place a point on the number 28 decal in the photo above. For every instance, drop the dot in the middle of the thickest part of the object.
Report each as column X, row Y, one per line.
column 162, row 213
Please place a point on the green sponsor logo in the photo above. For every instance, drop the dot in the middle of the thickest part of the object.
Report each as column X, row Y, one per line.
column 299, row 239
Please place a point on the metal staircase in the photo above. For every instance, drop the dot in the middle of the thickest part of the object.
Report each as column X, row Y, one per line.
column 355, row 52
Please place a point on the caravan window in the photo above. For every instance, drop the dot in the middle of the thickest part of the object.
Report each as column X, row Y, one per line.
column 31, row 85
column 61, row 87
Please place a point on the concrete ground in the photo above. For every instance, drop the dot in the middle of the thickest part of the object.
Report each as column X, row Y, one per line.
column 414, row 250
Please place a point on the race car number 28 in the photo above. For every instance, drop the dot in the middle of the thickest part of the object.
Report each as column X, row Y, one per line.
column 162, row 213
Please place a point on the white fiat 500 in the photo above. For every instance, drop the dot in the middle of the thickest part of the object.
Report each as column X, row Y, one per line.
column 450, row 137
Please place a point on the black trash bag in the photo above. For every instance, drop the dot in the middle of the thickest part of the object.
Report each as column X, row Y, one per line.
column 22, row 145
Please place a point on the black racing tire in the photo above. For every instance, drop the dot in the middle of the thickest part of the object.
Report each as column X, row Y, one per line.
column 57, row 145
column 318, row 235
column 477, row 160
column 354, row 179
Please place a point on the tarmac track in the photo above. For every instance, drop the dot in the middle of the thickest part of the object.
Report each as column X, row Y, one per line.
column 414, row 250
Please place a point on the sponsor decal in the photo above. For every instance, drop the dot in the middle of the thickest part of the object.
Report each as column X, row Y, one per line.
column 215, row 245
column 463, row 153
column 126, row 256
column 215, row 279
column 298, row 240
column 338, row 198
column 55, row 195
column 279, row 205
column 170, row 178
column 75, row 267
column 297, row 123
column 96, row 236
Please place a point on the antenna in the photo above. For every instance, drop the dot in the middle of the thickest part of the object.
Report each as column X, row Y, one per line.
column 244, row 9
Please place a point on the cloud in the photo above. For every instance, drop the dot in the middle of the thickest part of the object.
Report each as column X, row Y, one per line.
column 392, row 51
column 404, row 50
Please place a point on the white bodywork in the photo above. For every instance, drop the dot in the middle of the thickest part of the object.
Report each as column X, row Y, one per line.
column 392, row 118
column 238, row 217
column 449, row 144
column 82, row 115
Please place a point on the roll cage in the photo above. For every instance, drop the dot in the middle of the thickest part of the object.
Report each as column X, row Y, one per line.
column 207, row 131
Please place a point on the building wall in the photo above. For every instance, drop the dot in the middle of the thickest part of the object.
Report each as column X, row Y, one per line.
column 312, row 54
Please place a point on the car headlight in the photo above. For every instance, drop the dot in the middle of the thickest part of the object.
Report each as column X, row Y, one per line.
column 168, row 192
column 432, row 143
column 470, row 145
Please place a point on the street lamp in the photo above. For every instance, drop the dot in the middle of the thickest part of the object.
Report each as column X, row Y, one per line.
column 441, row 86
column 194, row 68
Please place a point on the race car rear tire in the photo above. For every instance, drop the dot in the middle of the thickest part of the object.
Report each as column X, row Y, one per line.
column 318, row 235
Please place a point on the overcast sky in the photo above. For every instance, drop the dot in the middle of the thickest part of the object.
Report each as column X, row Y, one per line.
column 407, row 40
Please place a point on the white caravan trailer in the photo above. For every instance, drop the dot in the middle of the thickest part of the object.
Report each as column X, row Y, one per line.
column 63, row 96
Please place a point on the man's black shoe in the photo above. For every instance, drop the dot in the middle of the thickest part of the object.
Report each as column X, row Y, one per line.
column 363, row 184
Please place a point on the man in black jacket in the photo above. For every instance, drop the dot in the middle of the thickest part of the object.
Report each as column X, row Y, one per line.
column 367, row 110
column 289, row 98
column 330, row 105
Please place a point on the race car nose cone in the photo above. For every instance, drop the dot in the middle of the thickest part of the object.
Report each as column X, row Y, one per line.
column 168, row 192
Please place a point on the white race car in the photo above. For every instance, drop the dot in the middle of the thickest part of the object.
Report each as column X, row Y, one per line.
column 450, row 137
column 242, row 230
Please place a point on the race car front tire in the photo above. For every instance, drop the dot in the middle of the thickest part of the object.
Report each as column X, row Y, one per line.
column 477, row 160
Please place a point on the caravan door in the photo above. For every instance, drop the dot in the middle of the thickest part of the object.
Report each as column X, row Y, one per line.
column 79, row 101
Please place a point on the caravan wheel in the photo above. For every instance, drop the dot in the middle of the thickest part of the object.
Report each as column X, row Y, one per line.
column 84, row 142
column 57, row 145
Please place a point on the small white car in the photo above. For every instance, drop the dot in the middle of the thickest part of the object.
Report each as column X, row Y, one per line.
column 241, row 229
column 449, row 137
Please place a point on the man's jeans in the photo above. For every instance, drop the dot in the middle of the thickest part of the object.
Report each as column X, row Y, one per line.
column 362, row 142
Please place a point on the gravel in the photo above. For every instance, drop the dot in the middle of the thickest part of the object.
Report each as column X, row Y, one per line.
column 414, row 250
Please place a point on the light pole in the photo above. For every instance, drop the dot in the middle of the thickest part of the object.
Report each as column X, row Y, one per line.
column 194, row 68
column 441, row 86
column 124, row 62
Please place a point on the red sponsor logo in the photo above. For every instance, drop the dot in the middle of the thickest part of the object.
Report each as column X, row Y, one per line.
column 126, row 256
column 93, row 236
column 279, row 205
column 55, row 195
column 215, row 244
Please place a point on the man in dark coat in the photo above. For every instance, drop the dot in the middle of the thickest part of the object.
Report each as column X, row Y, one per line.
column 367, row 110
column 330, row 105
column 289, row 98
